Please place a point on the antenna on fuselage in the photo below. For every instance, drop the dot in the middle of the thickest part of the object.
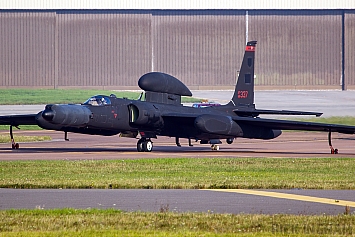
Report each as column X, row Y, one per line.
column 140, row 96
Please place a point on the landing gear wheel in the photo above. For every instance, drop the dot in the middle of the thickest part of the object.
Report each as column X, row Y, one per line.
column 15, row 145
column 140, row 146
column 215, row 147
column 144, row 145
column 148, row 146
column 334, row 151
column 230, row 140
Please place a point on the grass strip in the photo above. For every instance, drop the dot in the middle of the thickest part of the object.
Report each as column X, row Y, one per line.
column 72, row 222
column 48, row 96
column 182, row 173
column 63, row 96
column 346, row 120
column 6, row 128
column 6, row 138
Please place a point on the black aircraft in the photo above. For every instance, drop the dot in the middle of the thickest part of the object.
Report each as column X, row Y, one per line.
column 162, row 114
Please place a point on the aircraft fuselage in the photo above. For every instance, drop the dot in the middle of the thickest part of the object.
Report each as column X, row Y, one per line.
column 123, row 115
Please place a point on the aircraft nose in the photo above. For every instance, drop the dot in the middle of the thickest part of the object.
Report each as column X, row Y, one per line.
column 48, row 115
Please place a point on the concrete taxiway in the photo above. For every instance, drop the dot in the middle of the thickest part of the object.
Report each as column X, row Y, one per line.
column 305, row 202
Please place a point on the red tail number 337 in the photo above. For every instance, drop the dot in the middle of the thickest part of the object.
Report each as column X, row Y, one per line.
column 242, row 94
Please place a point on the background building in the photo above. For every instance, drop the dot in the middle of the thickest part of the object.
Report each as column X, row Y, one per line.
column 110, row 44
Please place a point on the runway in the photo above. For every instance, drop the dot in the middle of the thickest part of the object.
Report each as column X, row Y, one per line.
column 290, row 144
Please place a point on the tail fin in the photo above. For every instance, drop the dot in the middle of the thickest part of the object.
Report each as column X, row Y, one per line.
column 244, row 89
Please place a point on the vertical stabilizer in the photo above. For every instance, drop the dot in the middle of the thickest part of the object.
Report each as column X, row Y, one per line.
column 244, row 89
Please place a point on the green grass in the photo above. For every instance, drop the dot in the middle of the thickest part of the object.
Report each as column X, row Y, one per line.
column 71, row 222
column 62, row 96
column 22, row 127
column 6, row 138
column 185, row 173
column 49, row 96
column 346, row 120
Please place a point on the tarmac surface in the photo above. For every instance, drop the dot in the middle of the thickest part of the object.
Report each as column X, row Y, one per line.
column 178, row 200
column 289, row 144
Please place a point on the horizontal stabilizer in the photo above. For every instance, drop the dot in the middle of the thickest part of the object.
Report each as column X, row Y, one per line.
column 255, row 112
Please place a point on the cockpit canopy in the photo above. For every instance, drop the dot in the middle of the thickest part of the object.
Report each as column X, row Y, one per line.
column 98, row 100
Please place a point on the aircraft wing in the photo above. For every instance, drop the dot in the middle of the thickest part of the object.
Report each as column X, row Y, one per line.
column 16, row 120
column 276, row 123
column 295, row 125
column 256, row 112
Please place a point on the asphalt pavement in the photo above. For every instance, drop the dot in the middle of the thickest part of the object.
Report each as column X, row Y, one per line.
column 303, row 202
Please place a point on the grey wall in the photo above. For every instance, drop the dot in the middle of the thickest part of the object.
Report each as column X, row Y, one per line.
column 349, row 32
column 102, row 49
column 112, row 49
column 298, row 50
column 27, row 49
column 202, row 50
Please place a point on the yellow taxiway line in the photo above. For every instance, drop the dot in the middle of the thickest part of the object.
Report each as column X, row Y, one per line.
column 288, row 196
